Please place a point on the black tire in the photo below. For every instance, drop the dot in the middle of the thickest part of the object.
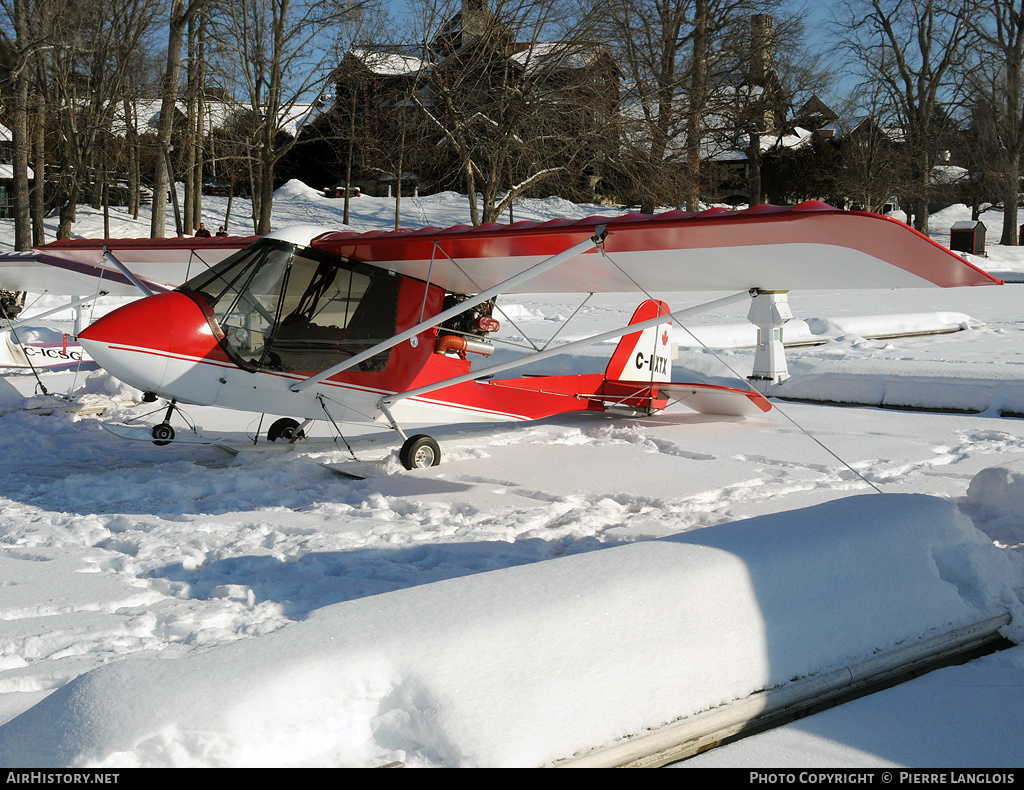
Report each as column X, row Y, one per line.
column 419, row 452
column 163, row 434
column 286, row 428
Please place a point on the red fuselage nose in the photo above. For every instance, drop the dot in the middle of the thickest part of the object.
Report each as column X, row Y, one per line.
column 145, row 343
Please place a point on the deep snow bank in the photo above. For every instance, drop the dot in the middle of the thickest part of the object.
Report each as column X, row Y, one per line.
column 525, row 665
column 978, row 387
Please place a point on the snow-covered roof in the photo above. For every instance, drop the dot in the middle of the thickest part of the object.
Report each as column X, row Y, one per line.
column 218, row 115
column 770, row 142
column 949, row 174
column 841, row 127
column 388, row 64
column 7, row 172
column 557, row 55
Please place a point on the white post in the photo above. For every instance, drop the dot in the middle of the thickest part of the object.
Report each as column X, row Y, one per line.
column 769, row 310
column 79, row 318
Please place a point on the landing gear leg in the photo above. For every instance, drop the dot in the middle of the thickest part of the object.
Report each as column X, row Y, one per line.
column 163, row 433
column 418, row 451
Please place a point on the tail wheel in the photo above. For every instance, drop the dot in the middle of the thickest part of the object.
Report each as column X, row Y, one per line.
column 285, row 428
column 419, row 452
column 163, row 434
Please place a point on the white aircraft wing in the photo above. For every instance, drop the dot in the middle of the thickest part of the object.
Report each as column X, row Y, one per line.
column 79, row 267
column 771, row 248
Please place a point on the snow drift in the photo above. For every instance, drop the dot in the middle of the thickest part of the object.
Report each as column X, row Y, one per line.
column 526, row 665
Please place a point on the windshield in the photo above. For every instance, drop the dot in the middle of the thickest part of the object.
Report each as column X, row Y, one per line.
column 292, row 309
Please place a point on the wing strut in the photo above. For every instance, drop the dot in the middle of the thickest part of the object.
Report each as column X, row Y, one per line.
column 78, row 302
column 127, row 273
column 480, row 298
column 551, row 352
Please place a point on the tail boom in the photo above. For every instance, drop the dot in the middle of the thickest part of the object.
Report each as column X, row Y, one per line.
column 639, row 377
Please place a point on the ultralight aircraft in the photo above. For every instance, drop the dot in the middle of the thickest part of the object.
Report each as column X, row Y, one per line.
column 382, row 326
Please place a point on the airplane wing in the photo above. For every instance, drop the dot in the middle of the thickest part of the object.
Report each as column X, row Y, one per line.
column 78, row 267
column 812, row 245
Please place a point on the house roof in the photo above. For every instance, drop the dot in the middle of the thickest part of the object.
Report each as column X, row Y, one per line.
column 7, row 172
column 557, row 55
column 387, row 64
column 219, row 115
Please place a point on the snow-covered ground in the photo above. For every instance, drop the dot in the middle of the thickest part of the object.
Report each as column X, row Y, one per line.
column 551, row 587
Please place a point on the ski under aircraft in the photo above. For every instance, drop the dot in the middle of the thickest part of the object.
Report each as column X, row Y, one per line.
column 382, row 326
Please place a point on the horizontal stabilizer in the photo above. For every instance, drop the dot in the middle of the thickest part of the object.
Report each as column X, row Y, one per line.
column 712, row 399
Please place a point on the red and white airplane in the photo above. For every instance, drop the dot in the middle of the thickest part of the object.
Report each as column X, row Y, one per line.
column 379, row 326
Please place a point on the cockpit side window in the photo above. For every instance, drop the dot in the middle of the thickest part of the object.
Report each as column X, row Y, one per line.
column 332, row 309
column 243, row 293
column 283, row 308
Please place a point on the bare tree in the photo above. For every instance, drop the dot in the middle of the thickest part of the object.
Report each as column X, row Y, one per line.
column 375, row 118
column 279, row 55
column 179, row 16
column 914, row 50
column 998, row 113
column 19, row 47
column 19, row 131
column 516, row 95
column 681, row 64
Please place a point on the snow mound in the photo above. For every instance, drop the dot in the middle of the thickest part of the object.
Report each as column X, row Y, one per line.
column 525, row 665
column 995, row 500
column 10, row 398
column 102, row 383
column 998, row 492
column 296, row 190
column 983, row 387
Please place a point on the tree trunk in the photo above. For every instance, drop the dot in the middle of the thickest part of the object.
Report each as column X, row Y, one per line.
column 19, row 131
column 179, row 17
column 39, row 171
column 131, row 143
column 398, row 181
column 754, row 192
column 698, row 87
column 351, row 145
column 1011, row 194
column 474, row 210
column 67, row 210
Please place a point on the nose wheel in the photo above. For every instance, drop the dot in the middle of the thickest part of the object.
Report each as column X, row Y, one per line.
column 419, row 452
column 163, row 433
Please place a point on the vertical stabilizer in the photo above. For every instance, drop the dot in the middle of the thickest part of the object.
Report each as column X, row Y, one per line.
column 644, row 356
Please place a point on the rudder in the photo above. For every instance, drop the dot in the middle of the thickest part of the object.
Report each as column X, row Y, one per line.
column 644, row 356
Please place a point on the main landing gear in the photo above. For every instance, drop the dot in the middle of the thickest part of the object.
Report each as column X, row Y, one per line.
column 285, row 429
column 419, row 452
column 163, row 434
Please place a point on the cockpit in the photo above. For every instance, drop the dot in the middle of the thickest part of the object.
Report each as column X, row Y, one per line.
column 283, row 307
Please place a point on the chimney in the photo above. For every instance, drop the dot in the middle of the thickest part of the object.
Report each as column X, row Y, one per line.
column 762, row 48
column 475, row 18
